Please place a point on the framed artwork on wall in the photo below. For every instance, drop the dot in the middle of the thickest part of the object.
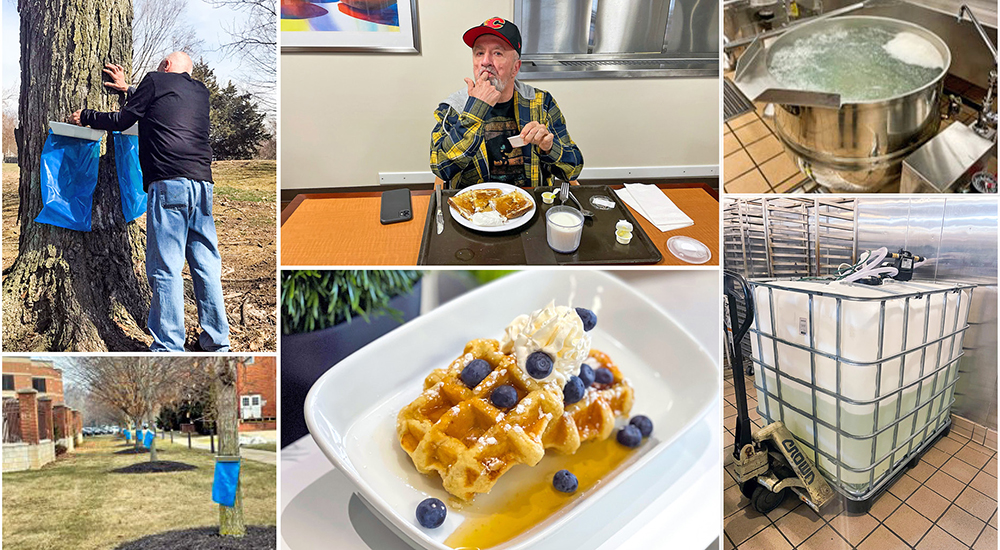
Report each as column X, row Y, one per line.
column 386, row 26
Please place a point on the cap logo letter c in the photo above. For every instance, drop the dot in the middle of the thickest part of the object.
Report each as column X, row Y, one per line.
column 494, row 23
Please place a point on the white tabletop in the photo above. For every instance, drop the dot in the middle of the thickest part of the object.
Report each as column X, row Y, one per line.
column 319, row 507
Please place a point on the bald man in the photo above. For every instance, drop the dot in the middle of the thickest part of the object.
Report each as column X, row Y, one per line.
column 176, row 159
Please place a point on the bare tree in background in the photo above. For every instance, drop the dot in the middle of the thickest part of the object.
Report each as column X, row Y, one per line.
column 253, row 40
column 135, row 386
column 160, row 27
column 95, row 413
column 9, row 121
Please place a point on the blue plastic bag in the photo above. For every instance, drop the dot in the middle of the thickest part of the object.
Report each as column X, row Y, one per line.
column 129, row 175
column 227, row 476
column 147, row 440
column 128, row 435
column 68, row 178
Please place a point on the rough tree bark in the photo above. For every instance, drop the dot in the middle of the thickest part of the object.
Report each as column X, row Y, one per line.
column 152, row 444
column 230, row 519
column 69, row 290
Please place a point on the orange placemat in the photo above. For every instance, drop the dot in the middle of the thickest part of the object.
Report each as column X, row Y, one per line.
column 347, row 231
column 703, row 210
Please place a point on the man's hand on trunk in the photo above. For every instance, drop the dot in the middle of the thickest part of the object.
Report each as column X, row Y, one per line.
column 117, row 74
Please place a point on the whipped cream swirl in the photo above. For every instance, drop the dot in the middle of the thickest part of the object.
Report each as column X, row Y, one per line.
column 555, row 330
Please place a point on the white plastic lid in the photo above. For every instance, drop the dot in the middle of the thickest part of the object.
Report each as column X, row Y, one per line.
column 72, row 130
column 689, row 250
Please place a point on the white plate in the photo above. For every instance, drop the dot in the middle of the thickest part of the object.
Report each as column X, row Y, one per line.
column 511, row 224
column 351, row 410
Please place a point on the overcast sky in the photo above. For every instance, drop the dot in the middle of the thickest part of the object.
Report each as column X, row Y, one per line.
column 209, row 22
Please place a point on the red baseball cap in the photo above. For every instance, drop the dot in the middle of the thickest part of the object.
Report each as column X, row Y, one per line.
column 497, row 26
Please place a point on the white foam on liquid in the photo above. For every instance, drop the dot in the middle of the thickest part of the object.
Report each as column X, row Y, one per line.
column 914, row 50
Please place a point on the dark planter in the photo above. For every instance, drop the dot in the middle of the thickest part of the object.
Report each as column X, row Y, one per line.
column 305, row 357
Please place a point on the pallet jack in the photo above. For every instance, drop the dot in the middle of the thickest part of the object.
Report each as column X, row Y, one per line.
column 769, row 463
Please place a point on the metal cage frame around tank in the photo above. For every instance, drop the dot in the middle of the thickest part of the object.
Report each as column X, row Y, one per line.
column 940, row 422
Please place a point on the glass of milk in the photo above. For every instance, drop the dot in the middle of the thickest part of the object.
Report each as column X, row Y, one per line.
column 563, row 228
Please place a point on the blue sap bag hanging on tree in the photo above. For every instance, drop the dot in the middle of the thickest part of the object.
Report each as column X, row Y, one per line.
column 68, row 178
column 128, row 436
column 227, row 477
column 129, row 175
column 147, row 439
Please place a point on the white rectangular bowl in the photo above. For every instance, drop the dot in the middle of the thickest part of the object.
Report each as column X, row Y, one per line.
column 351, row 410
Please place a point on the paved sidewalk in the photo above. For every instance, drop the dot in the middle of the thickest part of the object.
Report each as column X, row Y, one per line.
column 204, row 443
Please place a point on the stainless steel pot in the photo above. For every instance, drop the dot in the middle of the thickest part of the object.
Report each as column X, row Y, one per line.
column 856, row 146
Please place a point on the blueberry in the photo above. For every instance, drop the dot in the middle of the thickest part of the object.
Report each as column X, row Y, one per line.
column 565, row 481
column 431, row 513
column 630, row 436
column 588, row 318
column 504, row 397
column 539, row 364
column 644, row 424
column 573, row 391
column 604, row 376
column 586, row 375
column 475, row 372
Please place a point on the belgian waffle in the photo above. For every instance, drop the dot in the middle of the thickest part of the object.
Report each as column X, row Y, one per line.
column 455, row 431
column 593, row 416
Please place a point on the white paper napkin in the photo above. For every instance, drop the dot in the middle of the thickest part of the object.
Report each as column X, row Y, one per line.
column 649, row 201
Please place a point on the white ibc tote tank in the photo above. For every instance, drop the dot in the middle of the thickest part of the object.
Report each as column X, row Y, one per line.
column 880, row 364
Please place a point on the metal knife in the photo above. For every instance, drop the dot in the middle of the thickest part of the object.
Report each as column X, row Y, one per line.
column 440, row 213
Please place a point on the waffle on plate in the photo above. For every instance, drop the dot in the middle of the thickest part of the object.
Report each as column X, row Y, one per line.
column 455, row 431
column 592, row 418
column 510, row 205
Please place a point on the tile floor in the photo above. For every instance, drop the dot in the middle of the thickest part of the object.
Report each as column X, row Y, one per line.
column 754, row 160
column 948, row 501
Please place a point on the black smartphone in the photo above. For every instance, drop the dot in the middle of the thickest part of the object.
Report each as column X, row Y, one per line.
column 396, row 206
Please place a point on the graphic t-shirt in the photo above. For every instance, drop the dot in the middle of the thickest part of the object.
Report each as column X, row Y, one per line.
column 505, row 160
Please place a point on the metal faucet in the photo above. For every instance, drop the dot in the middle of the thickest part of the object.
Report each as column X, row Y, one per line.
column 986, row 123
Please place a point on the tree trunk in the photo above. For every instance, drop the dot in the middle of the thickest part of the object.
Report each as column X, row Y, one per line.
column 70, row 290
column 230, row 519
column 152, row 444
column 135, row 435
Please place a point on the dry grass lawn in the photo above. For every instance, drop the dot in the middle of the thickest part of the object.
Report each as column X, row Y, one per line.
column 76, row 503
column 245, row 211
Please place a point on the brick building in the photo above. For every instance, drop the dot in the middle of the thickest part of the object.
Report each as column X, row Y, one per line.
column 36, row 421
column 256, row 390
column 21, row 373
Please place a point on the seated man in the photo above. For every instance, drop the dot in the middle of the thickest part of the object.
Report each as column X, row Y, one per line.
column 470, row 144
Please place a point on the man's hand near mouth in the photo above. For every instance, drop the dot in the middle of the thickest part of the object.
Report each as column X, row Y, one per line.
column 483, row 89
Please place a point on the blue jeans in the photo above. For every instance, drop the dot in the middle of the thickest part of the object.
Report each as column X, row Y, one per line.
column 179, row 225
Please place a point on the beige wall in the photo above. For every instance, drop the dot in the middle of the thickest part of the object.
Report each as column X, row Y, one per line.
column 347, row 117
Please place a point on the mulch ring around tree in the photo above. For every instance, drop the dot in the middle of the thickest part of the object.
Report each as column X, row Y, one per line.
column 133, row 451
column 207, row 538
column 160, row 466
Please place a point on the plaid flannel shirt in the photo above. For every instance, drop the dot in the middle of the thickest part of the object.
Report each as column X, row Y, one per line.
column 458, row 144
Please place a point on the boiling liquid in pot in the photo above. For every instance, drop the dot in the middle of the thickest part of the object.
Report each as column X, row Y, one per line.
column 860, row 63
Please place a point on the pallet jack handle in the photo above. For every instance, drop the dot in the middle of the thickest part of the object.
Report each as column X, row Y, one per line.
column 737, row 290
